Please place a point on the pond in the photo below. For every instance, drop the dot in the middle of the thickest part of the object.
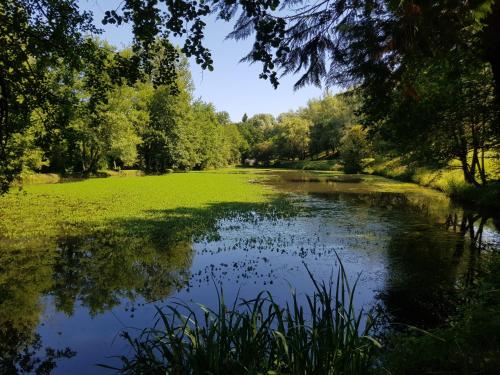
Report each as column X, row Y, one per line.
column 409, row 249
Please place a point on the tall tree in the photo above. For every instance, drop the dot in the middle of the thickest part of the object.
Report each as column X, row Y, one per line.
column 328, row 116
column 292, row 136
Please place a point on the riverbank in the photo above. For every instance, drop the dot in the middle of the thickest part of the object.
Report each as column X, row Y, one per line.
column 447, row 180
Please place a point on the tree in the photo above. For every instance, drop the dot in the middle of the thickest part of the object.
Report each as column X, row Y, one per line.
column 30, row 42
column 256, row 130
column 450, row 114
column 121, row 117
column 234, row 144
column 223, row 118
column 354, row 147
column 38, row 35
column 328, row 116
column 165, row 142
column 292, row 136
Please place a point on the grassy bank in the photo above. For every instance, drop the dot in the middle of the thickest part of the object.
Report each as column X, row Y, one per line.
column 449, row 180
column 309, row 165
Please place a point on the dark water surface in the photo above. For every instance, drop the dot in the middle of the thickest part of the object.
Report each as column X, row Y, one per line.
column 411, row 249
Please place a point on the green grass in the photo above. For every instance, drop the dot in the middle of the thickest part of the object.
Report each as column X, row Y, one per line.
column 318, row 165
column 48, row 209
column 449, row 180
column 324, row 335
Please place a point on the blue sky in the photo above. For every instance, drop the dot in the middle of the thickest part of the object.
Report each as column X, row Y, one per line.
column 232, row 86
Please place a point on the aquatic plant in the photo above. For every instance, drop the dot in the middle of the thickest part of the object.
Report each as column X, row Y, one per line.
column 322, row 334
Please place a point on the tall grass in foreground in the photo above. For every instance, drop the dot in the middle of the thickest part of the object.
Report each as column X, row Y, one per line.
column 325, row 336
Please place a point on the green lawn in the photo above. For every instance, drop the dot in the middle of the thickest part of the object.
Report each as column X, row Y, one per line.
column 47, row 209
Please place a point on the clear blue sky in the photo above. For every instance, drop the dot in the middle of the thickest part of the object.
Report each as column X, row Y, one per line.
column 232, row 86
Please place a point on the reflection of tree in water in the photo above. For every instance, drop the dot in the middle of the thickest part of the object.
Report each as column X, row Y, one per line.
column 422, row 276
column 100, row 270
column 428, row 262
column 430, row 265
column 469, row 228
column 96, row 268
column 22, row 352
column 25, row 273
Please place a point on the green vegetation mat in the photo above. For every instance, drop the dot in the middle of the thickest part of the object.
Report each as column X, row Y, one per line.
column 99, row 202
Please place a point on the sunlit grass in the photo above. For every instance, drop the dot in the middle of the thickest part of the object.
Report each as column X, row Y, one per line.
column 319, row 165
column 447, row 179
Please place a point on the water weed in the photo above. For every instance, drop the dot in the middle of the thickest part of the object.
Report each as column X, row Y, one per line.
column 319, row 334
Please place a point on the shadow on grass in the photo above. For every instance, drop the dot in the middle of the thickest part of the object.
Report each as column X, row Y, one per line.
column 166, row 227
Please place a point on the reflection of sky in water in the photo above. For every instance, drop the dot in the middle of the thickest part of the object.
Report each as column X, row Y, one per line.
column 395, row 249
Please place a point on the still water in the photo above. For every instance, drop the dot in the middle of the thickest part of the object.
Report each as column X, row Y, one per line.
column 409, row 249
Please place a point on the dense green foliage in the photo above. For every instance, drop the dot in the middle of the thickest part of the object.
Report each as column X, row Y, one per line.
column 120, row 125
column 308, row 132
column 354, row 148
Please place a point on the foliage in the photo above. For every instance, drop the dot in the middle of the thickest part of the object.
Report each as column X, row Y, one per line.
column 292, row 136
column 448, row 114
column 469, row 344
column 259, row 336
column 311, row 131
column 31, row 42
column 100, row 123
column 257, row 132
column 354, row 147
column 328, row 116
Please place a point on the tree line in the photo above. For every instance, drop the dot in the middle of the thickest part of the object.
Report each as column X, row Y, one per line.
column 426, row 74
column 96, row 123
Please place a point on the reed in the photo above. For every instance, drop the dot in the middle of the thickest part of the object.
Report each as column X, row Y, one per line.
column 323, row 335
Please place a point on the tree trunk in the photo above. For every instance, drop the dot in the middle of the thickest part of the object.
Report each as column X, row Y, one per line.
column 468, row 176
column 492, row 46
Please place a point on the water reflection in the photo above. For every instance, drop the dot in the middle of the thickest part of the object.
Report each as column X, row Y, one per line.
column 98, row 272
column 129, row 264
column 24, row 353
column 414, row 248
